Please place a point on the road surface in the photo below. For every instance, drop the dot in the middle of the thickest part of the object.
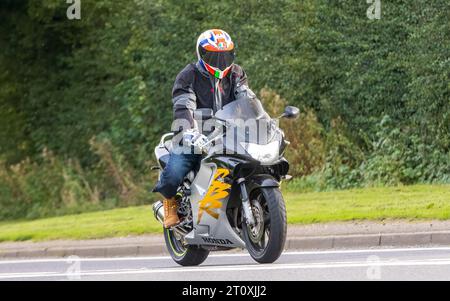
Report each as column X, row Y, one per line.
column 372, row 264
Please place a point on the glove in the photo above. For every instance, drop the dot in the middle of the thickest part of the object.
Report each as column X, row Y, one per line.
column 200, row 141
column 194, row 138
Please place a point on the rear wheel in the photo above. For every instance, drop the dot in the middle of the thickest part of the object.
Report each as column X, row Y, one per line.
column 265, row 240
column 181, row 253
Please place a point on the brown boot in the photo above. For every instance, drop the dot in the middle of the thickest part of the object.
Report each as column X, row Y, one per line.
column 170, row 212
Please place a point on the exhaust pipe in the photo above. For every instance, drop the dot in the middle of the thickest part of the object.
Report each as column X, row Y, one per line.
column 158, row 211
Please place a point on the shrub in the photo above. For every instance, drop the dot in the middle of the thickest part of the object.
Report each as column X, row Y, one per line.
column 306, row 153
column 51, row 186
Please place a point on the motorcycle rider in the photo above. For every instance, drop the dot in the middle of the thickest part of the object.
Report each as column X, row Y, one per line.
column 211, row 82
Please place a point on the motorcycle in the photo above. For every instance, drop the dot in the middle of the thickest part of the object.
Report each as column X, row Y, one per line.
column 233, row 200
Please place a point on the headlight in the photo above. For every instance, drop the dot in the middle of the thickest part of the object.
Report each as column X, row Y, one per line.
column 263, row 153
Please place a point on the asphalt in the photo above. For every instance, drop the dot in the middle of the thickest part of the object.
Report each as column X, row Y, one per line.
column 432, row 263
column 324, row 236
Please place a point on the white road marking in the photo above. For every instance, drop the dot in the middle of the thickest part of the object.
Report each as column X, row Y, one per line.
column 240, row 268
column 379, row 250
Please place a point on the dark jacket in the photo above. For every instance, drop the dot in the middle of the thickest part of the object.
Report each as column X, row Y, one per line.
column 195, row 88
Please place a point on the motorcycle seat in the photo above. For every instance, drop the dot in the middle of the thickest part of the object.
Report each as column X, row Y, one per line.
column 168, row 145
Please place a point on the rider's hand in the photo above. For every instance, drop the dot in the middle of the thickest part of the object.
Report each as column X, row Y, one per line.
column 189, row 136
column 200, row 141
column 192, row 137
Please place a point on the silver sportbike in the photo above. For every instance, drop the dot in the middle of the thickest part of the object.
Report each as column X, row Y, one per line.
column 233, row 200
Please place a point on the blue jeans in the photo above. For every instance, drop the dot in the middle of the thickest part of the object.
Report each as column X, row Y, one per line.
column 176, row 169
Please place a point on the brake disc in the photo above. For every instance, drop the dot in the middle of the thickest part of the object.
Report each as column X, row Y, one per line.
column 256, row 231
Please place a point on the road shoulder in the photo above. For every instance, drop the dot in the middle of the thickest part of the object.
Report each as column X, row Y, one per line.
column 364, row 234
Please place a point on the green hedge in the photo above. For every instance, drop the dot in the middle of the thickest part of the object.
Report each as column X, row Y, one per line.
column 380, row 88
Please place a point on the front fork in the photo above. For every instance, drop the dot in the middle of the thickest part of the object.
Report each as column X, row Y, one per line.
column 248, row 214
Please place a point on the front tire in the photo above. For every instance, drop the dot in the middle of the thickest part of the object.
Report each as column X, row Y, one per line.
column 184, row 255
column 269, row 211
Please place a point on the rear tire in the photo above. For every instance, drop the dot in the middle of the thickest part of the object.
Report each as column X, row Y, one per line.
column 267, row 247
column 183, row 255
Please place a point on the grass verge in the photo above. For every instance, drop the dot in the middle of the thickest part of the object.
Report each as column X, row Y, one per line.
column 417, row 202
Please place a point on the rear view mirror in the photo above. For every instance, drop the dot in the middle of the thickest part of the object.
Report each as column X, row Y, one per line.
column 203, row 114
column 291, row 112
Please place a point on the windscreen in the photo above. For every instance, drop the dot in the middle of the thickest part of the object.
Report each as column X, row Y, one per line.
column 243, row 108
column 247, row 121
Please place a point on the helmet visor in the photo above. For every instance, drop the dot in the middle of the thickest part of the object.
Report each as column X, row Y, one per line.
column 217, row 59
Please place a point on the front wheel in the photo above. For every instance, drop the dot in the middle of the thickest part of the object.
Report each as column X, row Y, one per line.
column 181, row 253
column 265, row 240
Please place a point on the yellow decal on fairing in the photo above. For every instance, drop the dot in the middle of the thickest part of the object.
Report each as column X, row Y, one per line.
column 216, row 192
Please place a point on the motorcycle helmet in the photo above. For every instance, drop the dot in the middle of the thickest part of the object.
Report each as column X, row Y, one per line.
column 215, row 51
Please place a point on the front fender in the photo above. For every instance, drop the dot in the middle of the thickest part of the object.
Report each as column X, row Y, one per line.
column 258, row 181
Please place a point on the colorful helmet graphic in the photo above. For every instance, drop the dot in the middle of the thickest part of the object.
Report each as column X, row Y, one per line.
column 215, row 51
